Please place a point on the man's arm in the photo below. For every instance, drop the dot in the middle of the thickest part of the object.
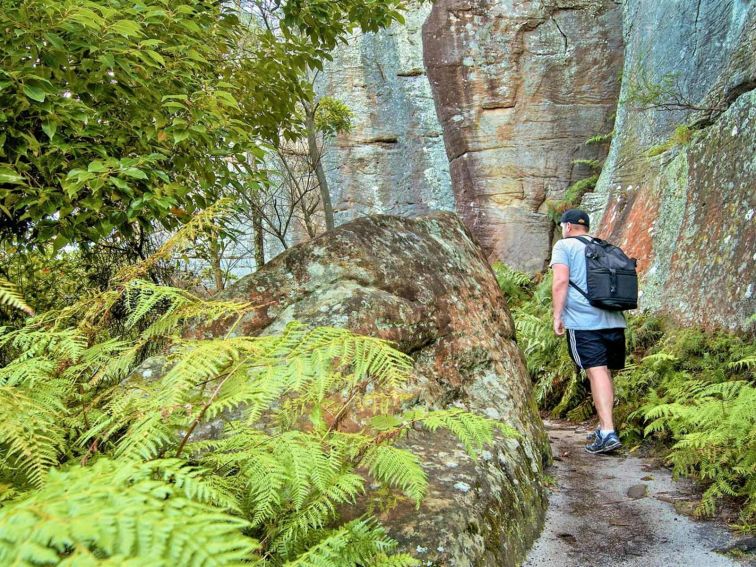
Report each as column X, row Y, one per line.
column 559, row 294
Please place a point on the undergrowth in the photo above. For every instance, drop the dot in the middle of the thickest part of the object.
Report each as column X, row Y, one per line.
column 688, row 392
column 126, row 441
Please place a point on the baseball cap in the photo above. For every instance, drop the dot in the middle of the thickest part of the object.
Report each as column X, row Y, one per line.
column 576, row 216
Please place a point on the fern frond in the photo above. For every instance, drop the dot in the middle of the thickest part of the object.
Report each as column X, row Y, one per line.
column 31, row 439
column 317, row 512
column 473, row 431
column 10, row 296
column 747, row 363
column 399, row 468
column 356, row 543
column 99, row 510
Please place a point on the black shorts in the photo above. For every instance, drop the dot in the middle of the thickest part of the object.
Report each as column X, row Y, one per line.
column 602, row 347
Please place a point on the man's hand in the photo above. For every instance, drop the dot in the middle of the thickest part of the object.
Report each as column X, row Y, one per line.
column 559, row 327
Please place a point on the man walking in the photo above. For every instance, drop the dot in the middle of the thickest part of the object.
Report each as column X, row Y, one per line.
column 595, row 337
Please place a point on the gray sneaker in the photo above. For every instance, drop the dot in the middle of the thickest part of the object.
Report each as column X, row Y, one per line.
column 604, row 444
column 593, row 434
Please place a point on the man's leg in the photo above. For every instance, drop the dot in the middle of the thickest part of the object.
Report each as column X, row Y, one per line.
column 602, row 391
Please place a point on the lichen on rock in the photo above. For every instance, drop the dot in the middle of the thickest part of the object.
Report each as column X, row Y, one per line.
column 425, row 284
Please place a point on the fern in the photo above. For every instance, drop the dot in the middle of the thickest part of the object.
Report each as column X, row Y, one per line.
column 600, row 138
column 399, row 468
column 515, row 285
column 10, row 296
column 112, row 510
column 295, row 440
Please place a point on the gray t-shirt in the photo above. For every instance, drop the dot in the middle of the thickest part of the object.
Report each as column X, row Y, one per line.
column 578, row 314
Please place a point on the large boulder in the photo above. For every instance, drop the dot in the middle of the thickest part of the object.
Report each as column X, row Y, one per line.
column 684, row 203
column 426, row 285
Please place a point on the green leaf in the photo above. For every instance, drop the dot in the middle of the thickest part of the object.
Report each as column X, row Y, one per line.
column 97, row 167
column 10, row 176
column 34, row 93
column 180, row 135
column 385, row 422
column 49, row 128
column 134, row 172
column 126, row 28
column 55, row 40
column 227, row 97
column 120, row 183
column 59, row 242
column 156, row 57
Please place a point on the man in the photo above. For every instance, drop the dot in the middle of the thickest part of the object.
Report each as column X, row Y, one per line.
column 595, row 337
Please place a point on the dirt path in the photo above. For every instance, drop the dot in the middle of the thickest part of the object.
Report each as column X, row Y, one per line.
column 608, row 510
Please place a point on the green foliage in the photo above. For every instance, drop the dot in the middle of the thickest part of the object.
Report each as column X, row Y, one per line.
column 593, row 164
column 103, row 462
column 557, row 385
column 10, row 296
column 695, row 391
column 573, row 195
column 600, row 138
column 112, row 113
column 644, row 92
column 117, row 114
column 122, row 511
column 332, row 117
column 680, row 137
column 517, row 286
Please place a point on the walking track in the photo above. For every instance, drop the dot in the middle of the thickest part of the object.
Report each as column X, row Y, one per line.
column 620, row 510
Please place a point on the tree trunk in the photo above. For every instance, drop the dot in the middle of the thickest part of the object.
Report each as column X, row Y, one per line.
column 259, row 244
column 215, row 261
column 315, row 155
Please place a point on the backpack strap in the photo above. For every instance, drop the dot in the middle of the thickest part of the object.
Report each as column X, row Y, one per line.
column 573, row 284
column 586, row 241
column 583, row 239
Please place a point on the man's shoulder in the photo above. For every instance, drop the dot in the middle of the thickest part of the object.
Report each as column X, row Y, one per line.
column 568, row 244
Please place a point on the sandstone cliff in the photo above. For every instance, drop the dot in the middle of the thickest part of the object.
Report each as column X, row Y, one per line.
column 519, row 88
column 678, row 190
column 393, row 160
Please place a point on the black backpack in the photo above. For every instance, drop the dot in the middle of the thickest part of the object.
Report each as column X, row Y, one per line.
column 611, row 276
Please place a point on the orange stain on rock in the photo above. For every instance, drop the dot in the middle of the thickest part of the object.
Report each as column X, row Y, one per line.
column 628, row 222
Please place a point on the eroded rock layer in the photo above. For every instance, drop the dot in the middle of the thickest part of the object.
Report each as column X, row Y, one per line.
column 519, row 88
column 426, row 285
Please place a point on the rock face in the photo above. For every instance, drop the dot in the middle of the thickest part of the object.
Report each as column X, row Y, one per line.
column 393, row 161
column 426, row 285
column 687, row 212
column 519, row 87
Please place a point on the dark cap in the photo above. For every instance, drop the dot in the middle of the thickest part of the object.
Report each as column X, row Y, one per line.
column 576, row 216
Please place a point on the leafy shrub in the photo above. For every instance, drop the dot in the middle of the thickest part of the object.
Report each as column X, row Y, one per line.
column 695, row 392
column 557, row 385
column 680, row 137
